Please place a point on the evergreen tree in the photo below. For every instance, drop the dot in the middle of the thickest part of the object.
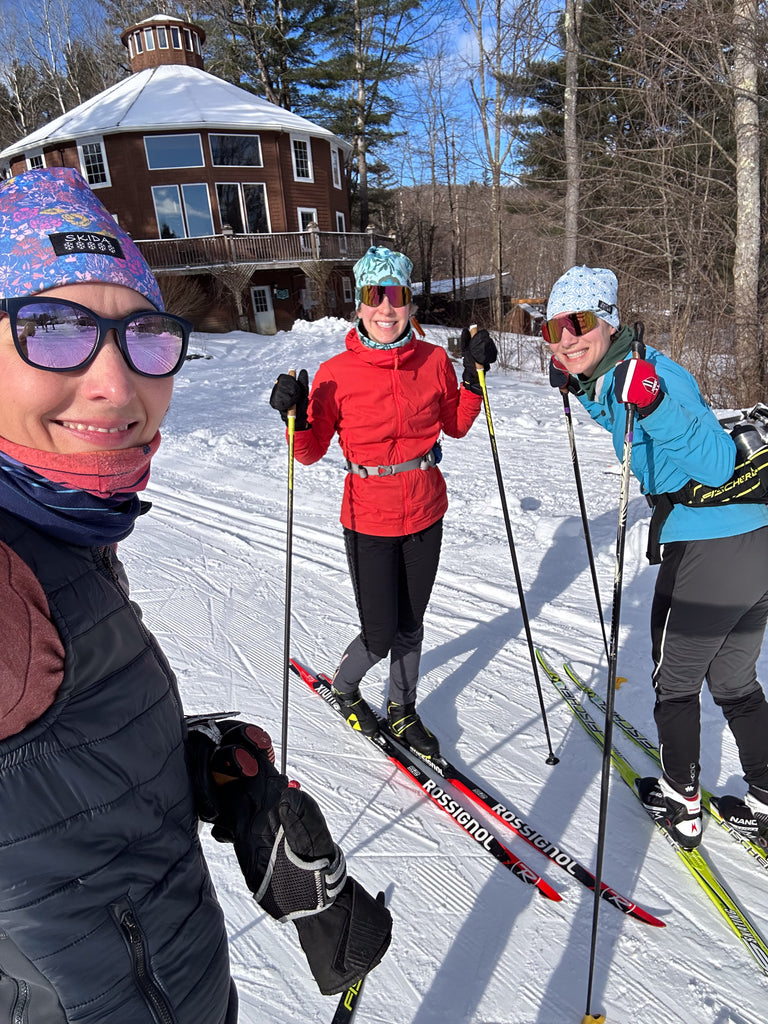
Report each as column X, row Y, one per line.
column 368, row 50
column 265, row 46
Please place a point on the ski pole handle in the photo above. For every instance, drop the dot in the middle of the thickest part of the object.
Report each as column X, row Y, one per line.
column 638, row 345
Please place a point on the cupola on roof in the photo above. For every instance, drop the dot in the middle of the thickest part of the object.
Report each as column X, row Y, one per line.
column 168, row 95
column 164, row 39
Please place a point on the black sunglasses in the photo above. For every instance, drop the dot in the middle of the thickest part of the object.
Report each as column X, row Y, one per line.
column 59, row 335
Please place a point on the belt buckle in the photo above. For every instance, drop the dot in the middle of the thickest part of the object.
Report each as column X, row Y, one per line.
column 385, row 470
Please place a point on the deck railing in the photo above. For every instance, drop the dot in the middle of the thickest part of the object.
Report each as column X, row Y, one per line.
column 287, row 249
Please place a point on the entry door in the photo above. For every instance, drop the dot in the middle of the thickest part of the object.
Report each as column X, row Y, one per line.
column 263, row 313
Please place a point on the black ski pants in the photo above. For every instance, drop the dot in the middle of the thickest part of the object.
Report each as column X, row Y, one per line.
column 708, row 621
column 392, row 578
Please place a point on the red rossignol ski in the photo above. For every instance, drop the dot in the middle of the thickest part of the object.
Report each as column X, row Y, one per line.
column 412, row 766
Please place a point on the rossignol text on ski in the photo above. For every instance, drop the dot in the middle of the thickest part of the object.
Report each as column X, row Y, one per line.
column 453, row 775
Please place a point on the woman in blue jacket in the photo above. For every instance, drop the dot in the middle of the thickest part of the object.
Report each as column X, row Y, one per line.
column 710, row 603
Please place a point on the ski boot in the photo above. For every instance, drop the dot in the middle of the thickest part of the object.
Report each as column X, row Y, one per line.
column 406, row 726
column 357, row 711
column 749, row 817
column 677, row 814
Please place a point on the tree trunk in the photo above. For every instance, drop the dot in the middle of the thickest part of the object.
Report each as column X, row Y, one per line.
column 573, row 11
column 746, row 256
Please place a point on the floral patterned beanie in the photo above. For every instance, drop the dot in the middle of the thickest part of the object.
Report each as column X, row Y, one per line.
column 54, row 231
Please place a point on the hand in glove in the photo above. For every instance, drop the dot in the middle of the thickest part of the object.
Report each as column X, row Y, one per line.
column 479, row 347
column 286, row 853
column 477, row 350
column 289, row 392
column 239, row 749
column 636, row 382
column 560, row 378
column 558, row 375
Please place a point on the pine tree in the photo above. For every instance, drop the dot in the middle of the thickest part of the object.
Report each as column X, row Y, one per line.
column 369, row 44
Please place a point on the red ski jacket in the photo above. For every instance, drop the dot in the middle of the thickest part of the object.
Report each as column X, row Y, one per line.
column 388, row 406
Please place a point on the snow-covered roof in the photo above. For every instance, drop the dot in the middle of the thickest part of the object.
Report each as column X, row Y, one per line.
column 171, row 96
column 162, row 19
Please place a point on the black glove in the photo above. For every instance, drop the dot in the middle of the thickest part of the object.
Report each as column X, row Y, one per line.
column 560, row 378
column 219, row 750
column 478, row 348
column 286, row 853
column 289, row 391
column 558, row 375
column 347, row 940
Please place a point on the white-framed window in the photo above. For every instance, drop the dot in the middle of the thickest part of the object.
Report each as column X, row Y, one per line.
column 307, row 215
column 341, row 227
column 196, row 41
column 187, row 40
column 182, row 211
column 162, row 37
column 243, row 205
column 175, row 38
column 35, row 160
column 130, row 47
column 170, row 151
column 301, row 152
column 137, row 42
column 347, row 290
column 336, row 167
column 149, row 39
column 93, row 162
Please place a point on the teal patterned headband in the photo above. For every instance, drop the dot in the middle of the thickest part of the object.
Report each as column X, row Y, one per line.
column 381, row 266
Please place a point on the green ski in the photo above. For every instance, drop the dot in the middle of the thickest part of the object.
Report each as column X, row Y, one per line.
column 696, row 862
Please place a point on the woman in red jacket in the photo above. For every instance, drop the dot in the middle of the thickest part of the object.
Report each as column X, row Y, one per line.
column 388, row 396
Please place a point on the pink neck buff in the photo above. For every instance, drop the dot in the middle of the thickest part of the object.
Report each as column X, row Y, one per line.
column 103, row 474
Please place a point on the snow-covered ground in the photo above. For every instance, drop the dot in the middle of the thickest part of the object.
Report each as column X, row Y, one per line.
column 471, row 942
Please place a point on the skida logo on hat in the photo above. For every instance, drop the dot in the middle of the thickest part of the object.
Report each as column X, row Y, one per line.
column 586, row 288
column 85, row 241
column 54, row 231
column 381, row 266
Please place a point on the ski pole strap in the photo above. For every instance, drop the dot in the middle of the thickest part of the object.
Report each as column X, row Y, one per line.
column 422, row 462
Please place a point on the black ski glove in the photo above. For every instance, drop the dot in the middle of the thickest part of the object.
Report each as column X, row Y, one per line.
column 286, row 853
column 560, row 378
column 481, row 349
column 289, row 391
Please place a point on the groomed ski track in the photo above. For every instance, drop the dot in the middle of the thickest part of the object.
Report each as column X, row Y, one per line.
column 470, row 944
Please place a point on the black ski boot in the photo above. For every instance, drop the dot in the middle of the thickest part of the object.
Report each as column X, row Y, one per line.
column 677, row 814
column 357, row 711
column 749, row 817
column 406, row 725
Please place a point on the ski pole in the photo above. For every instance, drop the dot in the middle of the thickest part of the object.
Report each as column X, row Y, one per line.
column 551, row 759
column 584, row 519
column 291, row 424
column 638, row 351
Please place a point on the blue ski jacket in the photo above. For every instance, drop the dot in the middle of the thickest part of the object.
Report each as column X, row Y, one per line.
column 680, row 440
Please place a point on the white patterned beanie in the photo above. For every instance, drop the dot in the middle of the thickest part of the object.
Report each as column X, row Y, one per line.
column 586, row 288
